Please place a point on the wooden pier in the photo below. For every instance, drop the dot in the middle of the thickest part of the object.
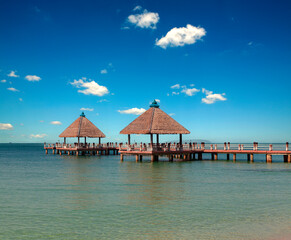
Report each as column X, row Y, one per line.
column 82, row 149
column 194, row 151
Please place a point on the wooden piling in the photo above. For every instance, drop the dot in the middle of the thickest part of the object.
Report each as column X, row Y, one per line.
column 234, row 157
column 199, row 156
column 215, row 156
column 136, row 158
column 227, row 156
column 121, row 157
column 249, row 157
column 268, row 158
column 252, row 157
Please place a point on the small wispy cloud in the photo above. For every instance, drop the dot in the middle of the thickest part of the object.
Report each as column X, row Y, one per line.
column 181, row 36
column 41, row 121
column 13, row 89
column 135, row 111
column 175, row 93
column 38, row 135
column 3, row 81
column 212, row 97
column 20, row 99
column 104, row 71
column 12, row 74
column 102, row 100
column 6, row 126
column 87, row 109
column 190, row 91
column 176, row 86
column 32, row 78
column 145, row 19
column 90, row 87
column 56, row 123
column 171, row 114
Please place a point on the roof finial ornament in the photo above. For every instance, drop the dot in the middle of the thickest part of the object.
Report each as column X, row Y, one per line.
column 154, row 104
column 82, row 115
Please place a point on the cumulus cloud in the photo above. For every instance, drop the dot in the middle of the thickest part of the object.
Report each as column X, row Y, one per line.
column 87, row 109
column 6, row 126
column 103, row 100
column 212, row 97
column 38, row 135
column 13, row 89
column 90, row 87
column 175, row 93
column 103, row 71
column 145, row 19
column 135, row 111
column 181, row 36
column 56, row 123
column 190, row 91
column 20, row 99
column 171, row 114
column 32, row 78
column 137, row 8
column 176, row 86
column 3, row 81
column 12, row 74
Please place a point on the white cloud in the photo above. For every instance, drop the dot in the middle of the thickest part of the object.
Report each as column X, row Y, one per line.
column 145, row 19
column 137, row 8
column 12, row 74
column 32, row 78
column 38, row 135
column 21, row 124
column 87, row 109
column 135, row 111
column 158, row 100
column 172, row 114
column 6, row 126
column 212, row 97
column 3, row 81
column 20, row 99
column 103, row 71
column 56, row 123
column 90, row 87
column 190, row 91
column 175, row 93
column 181, row 36
column 13, row 89
column 41, row 121
column 176, row 86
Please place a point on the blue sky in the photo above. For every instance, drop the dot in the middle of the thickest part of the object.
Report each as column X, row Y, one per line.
column 221, row 68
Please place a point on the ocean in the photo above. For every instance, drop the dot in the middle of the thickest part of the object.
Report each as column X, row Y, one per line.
column 98, row 197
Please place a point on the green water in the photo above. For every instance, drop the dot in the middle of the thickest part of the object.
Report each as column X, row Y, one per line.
column 67, row 197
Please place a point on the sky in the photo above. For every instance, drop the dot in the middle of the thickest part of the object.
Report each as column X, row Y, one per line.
column 220, row 68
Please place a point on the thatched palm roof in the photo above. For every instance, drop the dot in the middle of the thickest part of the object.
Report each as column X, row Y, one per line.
column 154, row 121
column 82, row 127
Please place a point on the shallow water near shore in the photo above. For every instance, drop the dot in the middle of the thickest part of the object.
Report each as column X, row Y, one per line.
column 97, row 197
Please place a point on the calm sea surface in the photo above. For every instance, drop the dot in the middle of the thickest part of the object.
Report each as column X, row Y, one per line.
column 67, row 197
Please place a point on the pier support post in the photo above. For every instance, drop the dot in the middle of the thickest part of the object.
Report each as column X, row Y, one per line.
column 249, row 157
column 140, row 158
column 68, row 152
column 170, row 158
column 46, row 151
column 212, row 156
column 215, row 156
column 121, row 157
column 60, row 152
column 252, row 157
column 194, row 156
column 77, row 153
column 53, row 151
column 152, row 158
column 289, row 158
column 285, row 157
column 136, row 158
column 234, row 157
column 227, row 156
column 199, row 156
column 268, row 158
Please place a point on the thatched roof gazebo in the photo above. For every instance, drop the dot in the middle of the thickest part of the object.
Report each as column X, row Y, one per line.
column 154, row 121
column 82, row 127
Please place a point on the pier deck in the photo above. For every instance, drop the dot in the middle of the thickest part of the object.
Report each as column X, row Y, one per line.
column 189, row 151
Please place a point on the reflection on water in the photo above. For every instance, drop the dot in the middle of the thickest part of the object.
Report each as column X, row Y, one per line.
column 69, row 197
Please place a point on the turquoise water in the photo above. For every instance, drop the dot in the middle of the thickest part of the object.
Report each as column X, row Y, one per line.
column 68, row 197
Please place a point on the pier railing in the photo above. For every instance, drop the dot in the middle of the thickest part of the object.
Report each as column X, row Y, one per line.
column 202, row 146
column 81, row 145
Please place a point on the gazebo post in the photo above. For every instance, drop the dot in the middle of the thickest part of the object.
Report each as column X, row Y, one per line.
column 64, row 140
column 78, row 141
column 99, row 140
column 181, row 142
column 157, row 139
column 151, row 139
column 128, row 139
column 85, row 140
